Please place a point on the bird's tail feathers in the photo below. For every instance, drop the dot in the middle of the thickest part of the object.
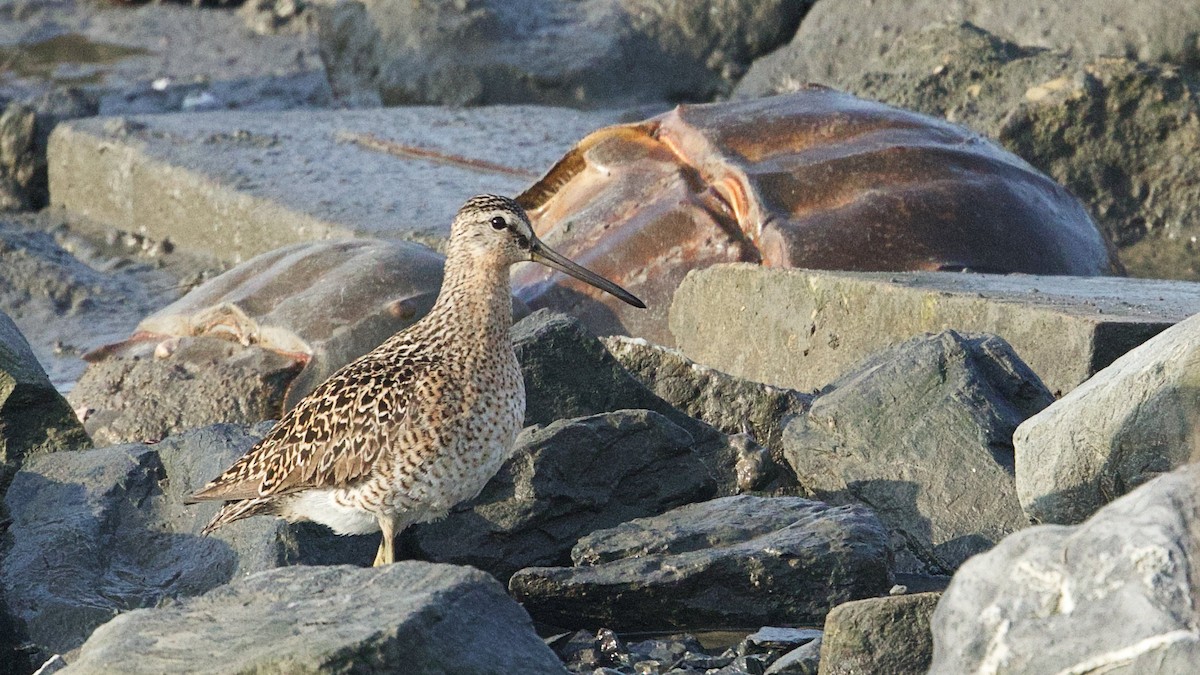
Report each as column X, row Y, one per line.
column 243, row 508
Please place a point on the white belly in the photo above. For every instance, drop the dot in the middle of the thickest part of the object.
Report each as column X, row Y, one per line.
column 320, row 506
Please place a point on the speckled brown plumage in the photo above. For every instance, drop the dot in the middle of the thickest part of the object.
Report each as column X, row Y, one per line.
column 420, row 423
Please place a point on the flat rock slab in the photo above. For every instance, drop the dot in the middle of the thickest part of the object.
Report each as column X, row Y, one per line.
column 236, row 184
column 734, row 561
column 410, row 617
column 803, row 328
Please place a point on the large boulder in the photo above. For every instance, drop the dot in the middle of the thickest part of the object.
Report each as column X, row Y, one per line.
column 194, row 383
column 731, row 404
column 34, row 417
column 100, row 531
column 568, row 373
column 410, row 617
column 846, row 37
column 14, row 651
column 593, row 53
column 1132, row 421
column 1116, row 593
column 733, row 561
column 563, row 481
column 922, row 433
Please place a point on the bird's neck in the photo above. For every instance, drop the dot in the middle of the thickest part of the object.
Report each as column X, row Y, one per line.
column 476, row 297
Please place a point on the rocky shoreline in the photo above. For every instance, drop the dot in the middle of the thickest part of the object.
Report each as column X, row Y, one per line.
column 206, row 210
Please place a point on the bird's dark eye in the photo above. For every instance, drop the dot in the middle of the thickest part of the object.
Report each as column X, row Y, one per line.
column 523, row 242
column 499, row 223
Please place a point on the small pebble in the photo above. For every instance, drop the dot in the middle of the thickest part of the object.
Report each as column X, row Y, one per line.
column 647, row 667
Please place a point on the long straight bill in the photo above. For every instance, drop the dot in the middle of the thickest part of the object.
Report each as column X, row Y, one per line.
column 541, row 253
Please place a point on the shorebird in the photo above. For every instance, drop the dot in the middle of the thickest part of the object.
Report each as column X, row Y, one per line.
column 420, row 423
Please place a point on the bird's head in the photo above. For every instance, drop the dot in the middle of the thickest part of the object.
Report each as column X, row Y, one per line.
column 496, row 228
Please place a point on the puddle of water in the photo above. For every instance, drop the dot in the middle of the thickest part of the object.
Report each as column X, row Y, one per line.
column 69, row 59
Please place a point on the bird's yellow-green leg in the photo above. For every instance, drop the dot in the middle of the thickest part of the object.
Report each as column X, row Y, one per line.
column 387, row 548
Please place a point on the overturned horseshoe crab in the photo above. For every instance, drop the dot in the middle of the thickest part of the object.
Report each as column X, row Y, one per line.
column 816, row 179
column 305, row 310
column 320, row 303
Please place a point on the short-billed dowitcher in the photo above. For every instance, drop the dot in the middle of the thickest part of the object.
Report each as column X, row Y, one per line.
column 420, row 423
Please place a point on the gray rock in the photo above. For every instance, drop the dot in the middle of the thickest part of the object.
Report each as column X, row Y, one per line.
column 205, row 381
column 847, row 37
column 17, row 157
column 563, row 481
column 747, row 664
column 712, row 564
column 726, row 402
column 803, row 660
column 781, row 638
column 804, row 328
column 568, row 373
column 1116, row 593
column 879, row 635
column 101, row 531
column 1025, row 98
column 922, row 433
column 716, row 523
column 409, row 617
column 24, row 131
column 587, row 650
column 14, row 652
column 1132, row 421
column 595, row 53
column 34, row 417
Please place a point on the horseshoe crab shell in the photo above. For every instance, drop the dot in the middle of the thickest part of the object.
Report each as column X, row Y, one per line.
column 817, row 179
column 321, row 303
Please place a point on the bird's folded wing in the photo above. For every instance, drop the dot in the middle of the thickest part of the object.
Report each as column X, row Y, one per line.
column 332, row 438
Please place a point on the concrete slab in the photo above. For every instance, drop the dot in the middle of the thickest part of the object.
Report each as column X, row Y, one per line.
column 236, row 184
column 802, row 328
